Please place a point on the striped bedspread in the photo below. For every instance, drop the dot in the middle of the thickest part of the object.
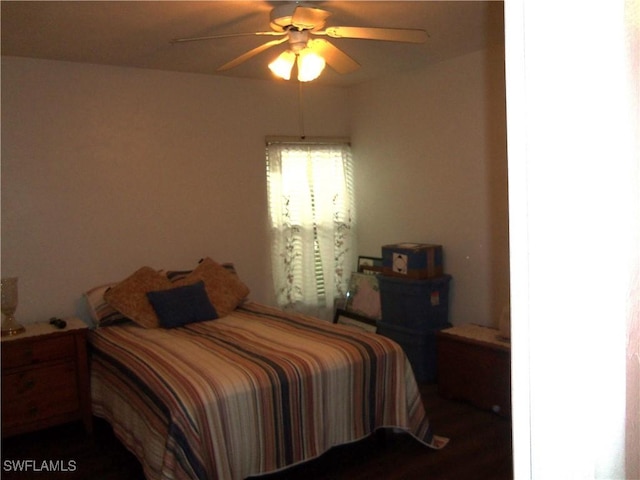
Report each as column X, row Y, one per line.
column 250, row 393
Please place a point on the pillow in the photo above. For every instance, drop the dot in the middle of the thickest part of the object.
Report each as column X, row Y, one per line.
column 176, row 275
column 182, row 305
column 231, row 268
column 102, row 313
column 225, row 290
column 129, row 296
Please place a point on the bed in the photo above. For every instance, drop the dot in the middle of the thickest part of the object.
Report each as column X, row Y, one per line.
column 252, row 392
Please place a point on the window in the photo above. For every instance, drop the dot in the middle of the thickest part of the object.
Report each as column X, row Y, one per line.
column 311, row 214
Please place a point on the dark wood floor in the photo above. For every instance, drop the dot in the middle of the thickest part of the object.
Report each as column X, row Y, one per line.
column 479, row 448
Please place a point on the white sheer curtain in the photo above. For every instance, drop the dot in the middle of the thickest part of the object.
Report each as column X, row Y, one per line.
column 312, row 222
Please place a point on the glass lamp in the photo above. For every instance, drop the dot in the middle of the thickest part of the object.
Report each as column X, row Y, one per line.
column 9, row 291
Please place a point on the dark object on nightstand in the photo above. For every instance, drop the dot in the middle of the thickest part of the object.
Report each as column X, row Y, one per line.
column 57, row 322
column 474, row 364
column 45, row 378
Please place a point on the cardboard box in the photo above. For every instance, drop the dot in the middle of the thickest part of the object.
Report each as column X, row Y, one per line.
column 412, row 260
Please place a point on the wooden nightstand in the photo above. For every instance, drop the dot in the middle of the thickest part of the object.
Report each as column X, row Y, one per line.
column 474, row 364
column 45, row 378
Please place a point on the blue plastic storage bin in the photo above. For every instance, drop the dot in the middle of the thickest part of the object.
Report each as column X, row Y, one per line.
column 419, row 346
column 415, row 304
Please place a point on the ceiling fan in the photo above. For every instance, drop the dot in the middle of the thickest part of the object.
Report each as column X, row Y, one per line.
column 298, row 24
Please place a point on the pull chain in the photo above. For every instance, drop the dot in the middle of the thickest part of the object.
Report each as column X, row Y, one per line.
column 301, row 111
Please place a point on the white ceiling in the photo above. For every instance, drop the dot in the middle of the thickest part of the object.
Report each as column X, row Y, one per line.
column 138, row 33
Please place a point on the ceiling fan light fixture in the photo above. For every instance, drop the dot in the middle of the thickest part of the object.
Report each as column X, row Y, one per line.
column 310, row 65
column 282, row 66
column 298, row 23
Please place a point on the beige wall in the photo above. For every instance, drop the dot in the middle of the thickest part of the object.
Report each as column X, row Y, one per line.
column 108, row 169
column 431, row 166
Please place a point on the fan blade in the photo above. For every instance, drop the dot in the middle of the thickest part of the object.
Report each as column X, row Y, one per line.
column 251, row 53
column 385, row 34
column 336, row 58
column 308, row 18
column 226, row 35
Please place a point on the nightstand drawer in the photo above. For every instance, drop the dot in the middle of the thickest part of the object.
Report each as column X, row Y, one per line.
column 45, row 377
column 39, row 393
column 19, row 353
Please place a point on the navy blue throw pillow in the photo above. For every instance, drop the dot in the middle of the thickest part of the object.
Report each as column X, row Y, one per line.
column 182, row 305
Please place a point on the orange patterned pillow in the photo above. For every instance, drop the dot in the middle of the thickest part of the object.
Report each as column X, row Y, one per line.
column 129, row 297
column 102, row 313
column 224, row 288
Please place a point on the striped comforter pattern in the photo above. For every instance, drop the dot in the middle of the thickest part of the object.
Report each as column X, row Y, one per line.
column 250, row 393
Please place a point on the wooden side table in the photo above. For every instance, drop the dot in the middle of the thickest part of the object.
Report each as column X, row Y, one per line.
column 45, row 378
column 474, row 364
